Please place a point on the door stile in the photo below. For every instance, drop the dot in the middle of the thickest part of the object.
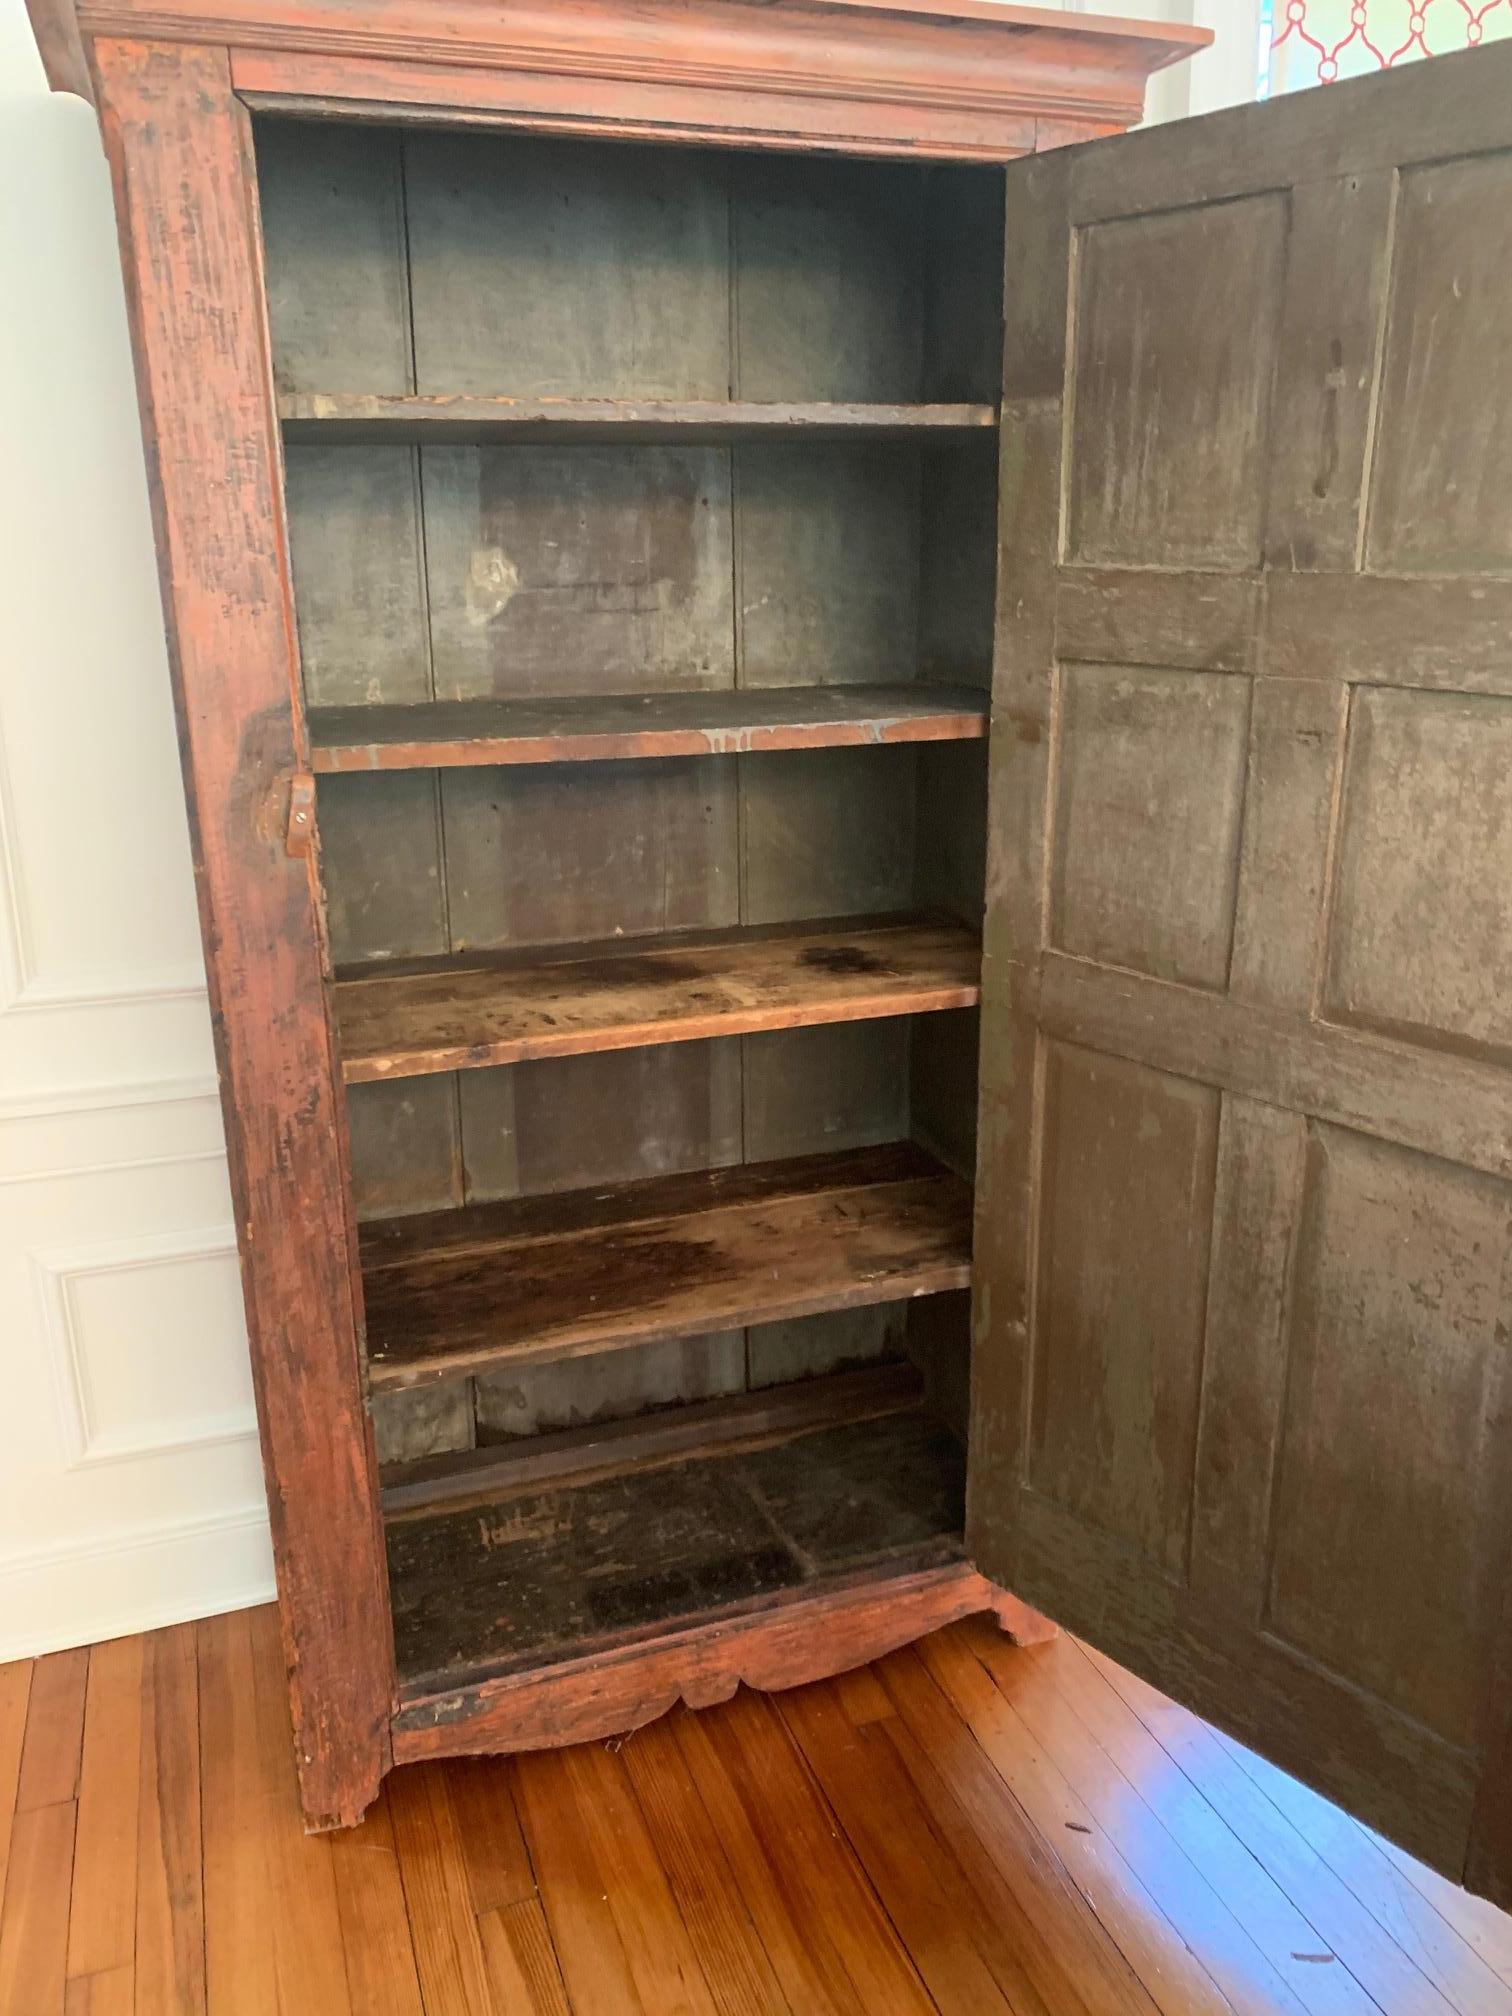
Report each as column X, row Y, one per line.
column 1037, row 289
column 179, row 147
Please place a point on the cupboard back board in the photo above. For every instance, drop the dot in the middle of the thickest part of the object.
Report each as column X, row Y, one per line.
column 478, row 265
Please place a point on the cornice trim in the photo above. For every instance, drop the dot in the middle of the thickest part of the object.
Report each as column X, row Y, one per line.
column 962, row 63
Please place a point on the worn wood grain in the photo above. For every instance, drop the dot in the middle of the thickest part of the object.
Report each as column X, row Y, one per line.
column 340, row 322
column 180, row 156
column 624, row 1444
column 808, row 1636
column 668, row 1970
column 461, row 1013
column 55, row 25
column 461, row 417
column 548, row 272
column 805, row 78
column 681, row 1257
column 607, row 1558
column 1251, row 691
column 460, row 734
column 391, row 283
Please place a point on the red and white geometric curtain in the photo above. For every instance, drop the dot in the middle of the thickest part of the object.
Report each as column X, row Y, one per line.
column 1317, row 41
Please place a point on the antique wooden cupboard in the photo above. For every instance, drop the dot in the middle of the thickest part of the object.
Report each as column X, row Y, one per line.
column 606, row 490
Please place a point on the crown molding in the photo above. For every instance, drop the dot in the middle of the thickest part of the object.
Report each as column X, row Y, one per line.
column 946, row 77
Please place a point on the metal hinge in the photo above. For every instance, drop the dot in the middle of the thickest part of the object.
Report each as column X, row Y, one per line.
column 301, row 834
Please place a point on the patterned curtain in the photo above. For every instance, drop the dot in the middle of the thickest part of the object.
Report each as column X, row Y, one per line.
column 1316, row 41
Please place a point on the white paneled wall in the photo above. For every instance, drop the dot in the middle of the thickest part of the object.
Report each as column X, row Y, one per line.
column 130, row 1490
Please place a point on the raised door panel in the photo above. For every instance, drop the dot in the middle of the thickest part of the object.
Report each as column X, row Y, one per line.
column 1243, row 1320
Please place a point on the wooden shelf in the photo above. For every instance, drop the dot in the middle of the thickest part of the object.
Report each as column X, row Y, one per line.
column 458, row 734
column 404, row 1019
column 540, row 1278
column 551, row 1570
column 459, row 417
column 664, row 1435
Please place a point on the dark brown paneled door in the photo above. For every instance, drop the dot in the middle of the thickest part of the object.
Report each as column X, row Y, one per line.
column 1242, row 1409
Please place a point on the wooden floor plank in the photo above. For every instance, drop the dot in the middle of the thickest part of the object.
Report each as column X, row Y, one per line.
column 667, row 1971
column 694, row 1855
column 967, row 1967
column 493, row 1843
column 809, row 1972
column 448, row 1949
column 1360, row 1860
column 407, row 1018
column 110, row 1994
column 1381, row 1966
column 522, row 1962
column 595, row 1966
column 1176, row 1973
column 616, row 727
column 34, row 1911
column 1280, row 1927
column 962, row 1828
column 54, row 1730
column 170, row 1902
column 1481, row 1926
column 15, row 1692
column 240, row 1820
column 1248, row 1978
column 382, row 1976
column 306, row 1928
column 102, row 1922
column 743, row 1759
column 538, row 1279
column 1074, row 1962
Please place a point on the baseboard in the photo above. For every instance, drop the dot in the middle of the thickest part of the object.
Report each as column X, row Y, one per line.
column 75, row 1593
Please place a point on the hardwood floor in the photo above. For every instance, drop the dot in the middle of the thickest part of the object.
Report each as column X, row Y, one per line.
column 963, row 1827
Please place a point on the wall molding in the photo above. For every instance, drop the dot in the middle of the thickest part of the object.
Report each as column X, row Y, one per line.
column 87, row 1443
column 24, row 989
column 109, row 1585
column 107, row 1098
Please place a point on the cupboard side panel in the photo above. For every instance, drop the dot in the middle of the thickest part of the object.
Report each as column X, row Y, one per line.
column 180, row 156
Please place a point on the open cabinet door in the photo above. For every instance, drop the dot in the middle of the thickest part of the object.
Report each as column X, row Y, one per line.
column 1242, row 1363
